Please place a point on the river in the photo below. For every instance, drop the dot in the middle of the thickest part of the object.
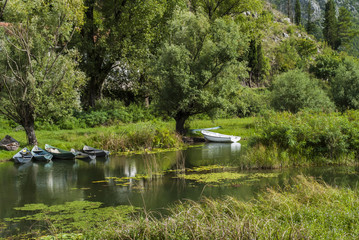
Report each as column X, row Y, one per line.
column 143, row 180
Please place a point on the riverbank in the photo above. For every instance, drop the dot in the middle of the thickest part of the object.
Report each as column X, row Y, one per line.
column 128, row 138
column 304, row 209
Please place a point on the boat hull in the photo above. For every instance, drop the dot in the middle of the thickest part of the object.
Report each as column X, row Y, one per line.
column 220, row 138
column 96, row 152
column 59, row 153
column 41, row 155
column 23, row 156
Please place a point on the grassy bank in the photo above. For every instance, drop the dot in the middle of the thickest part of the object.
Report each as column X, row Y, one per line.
column 305, row 209
column 122, row 138
column 119, row 138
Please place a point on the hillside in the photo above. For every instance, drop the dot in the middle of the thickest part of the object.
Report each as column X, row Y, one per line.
column 318, row 12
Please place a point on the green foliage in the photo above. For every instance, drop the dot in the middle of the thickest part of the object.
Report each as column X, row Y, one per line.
column 330, row 29
column 258, row 63
column 197, row 67
column 325, row 65
column 250, row 101
column 345, row 85
column 297, row 13
column 295, row 90
column 286, row 57
column 346, row 31
column 312, row 138
column 39, row 72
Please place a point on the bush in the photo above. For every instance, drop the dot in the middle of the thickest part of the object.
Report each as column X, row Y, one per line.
column 294, row 90
column 314, row 136
column 250, row 101
column 345, row 85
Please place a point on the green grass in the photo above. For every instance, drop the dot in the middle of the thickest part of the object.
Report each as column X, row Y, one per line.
column 304, row 209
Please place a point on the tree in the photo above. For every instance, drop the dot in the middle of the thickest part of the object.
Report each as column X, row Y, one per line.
column 310, row 25
column 345, row 85
column 289, row 9
column 258, row 64
column 330, row 30
column 294, row 90
column 116, row 31
column 197, row 66
column 346, row 32
column 298, row 13
column 219, row 8
column 38, row 73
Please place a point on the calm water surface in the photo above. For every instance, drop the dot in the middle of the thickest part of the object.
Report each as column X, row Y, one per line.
column 70, row 180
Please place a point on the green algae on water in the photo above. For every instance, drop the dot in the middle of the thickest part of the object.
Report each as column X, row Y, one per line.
column 73, row 216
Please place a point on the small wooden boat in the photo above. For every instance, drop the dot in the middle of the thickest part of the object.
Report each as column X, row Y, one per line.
column 59, row 153
column 96, row 152
column 23, row 156
column 9, row 143
column 82, row 155
column 40, row 154
column 218, row 137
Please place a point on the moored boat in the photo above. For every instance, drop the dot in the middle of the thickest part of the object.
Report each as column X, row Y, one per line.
column 40, row 154
column 95, row 151
column 82, row 155
column 23, row 156
column 9, row 143
column 59, row 153
column 218, row 137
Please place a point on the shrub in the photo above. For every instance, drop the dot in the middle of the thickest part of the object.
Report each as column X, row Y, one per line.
column 345, row 85
column 314, row 136
column 294, row 90
column 250, row 101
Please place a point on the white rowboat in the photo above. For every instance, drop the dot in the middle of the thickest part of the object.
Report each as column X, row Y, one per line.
column 218, row 137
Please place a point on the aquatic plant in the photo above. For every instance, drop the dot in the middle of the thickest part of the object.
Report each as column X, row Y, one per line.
column 72, row 217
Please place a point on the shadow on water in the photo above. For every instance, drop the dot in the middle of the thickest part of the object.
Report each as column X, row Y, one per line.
column 148, row 180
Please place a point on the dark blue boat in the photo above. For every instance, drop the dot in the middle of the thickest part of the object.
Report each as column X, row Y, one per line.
column 40, row 154
column 24, row 156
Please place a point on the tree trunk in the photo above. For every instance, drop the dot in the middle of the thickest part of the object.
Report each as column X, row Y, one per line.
column 29, row 125
column 180, row 121
column 30, row 133
column 94, row 91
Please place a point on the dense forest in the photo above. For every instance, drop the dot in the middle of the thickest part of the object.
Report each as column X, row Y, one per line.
column 73, row 64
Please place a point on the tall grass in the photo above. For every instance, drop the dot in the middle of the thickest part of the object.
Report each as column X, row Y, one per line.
column 306, row 209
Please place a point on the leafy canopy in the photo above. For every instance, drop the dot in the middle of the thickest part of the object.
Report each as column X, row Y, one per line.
column 197, row 66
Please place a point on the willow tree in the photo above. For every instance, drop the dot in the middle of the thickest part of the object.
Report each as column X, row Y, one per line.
column 38, row 73
column 198, row 66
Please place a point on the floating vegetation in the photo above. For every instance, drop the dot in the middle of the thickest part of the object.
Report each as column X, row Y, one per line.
column 209, row 168
column 224, row 176
column 64, row 236
column 73, row 216
column 213, row 177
